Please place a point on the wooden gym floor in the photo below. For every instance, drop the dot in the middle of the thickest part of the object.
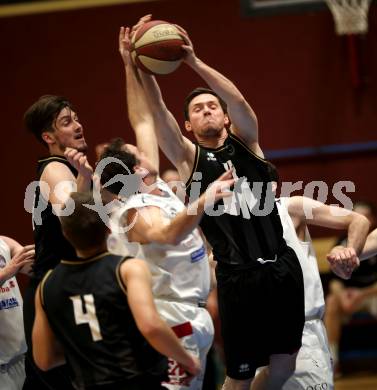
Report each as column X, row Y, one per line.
column 357, row 381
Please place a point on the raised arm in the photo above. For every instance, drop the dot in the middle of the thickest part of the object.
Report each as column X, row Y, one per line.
column 139, row 114
column 243, row 119
column 320, row 214
column 85, row 171
column 137, row 278
column 343, row 260
column 177, row 148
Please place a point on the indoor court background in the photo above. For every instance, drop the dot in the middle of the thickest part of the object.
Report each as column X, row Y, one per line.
column 291, row 67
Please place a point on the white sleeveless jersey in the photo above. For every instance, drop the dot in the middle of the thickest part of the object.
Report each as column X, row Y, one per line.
column 314, row 300
column 12, row 337
column 179, row 272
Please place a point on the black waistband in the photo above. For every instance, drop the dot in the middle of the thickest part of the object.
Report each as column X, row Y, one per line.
column 253, row 264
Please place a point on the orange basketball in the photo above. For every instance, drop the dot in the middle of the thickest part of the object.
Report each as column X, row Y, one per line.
column 157, row 47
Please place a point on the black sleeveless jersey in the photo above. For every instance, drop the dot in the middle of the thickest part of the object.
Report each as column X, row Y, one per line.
column 86, row 304
column 50, row 244
column 243, row 234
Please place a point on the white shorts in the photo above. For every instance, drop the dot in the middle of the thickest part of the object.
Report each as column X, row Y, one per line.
column 314, row 368
column 13, row 377
column 194, row 327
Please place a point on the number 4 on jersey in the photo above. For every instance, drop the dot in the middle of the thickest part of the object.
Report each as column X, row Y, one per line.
column 89, row 317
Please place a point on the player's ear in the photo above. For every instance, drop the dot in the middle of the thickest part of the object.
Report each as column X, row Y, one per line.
column 140, row 171
column 136, row 168
column 188, row 126
column 48, row 137
column 226, row 120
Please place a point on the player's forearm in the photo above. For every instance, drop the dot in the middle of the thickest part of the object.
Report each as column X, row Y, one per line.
column 165, row 124
column 7, row 272
column 163, row 340
column 218, row 82
column 212, row 268
column 243, row 118
column 46, row 356
column 357, row 233
column 140, row 116
column 168, row 132
column 152, row 92
column 84, row 182
column 4, row 275
column 189, row 218
column 184, row 223
column 137, row 107
column 370, row 247
column 47, row 351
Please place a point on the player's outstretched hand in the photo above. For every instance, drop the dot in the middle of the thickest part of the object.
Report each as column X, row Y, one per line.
column 192, row 370
column 23, row 258
column 144, row 19
column 125, row 45
column 190, row 56
column 219, row 189
column 343, row 261
column 125, row 36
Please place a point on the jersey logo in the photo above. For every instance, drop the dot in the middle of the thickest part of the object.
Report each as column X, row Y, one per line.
column 89, row 317
column 176, row 373
column 8, row 303
column 198, row 255
column 244, row 368
column 211, row 156
column 4, row 289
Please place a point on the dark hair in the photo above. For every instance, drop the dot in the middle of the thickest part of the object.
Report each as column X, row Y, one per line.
column 84, row 228
column 272, row 172
column 365, row 203
column 197, row 92
column 42, row 115
column 117, row 150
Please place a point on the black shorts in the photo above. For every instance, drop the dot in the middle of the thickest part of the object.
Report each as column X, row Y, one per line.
column 261, row 308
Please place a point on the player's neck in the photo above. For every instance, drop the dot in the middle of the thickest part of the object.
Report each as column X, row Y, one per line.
column 84, row 254
column 55, row 151
column 212, row 142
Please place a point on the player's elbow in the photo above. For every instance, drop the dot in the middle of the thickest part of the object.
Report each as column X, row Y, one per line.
column 239, row 99
column 47, row 355
column 43, row 365
column 363, row 222
column 42, row 361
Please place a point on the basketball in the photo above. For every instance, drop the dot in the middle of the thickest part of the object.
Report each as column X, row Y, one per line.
column 157, row 47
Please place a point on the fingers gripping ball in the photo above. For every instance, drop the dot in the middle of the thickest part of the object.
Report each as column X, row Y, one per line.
column 157, row 47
